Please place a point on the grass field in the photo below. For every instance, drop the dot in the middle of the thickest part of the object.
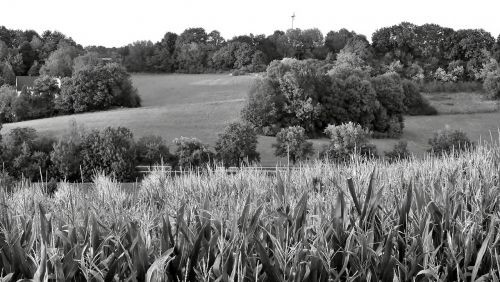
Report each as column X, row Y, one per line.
column 201, row 105
column 461, row 103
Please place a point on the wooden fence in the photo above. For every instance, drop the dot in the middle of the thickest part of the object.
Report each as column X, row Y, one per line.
column 143, row 169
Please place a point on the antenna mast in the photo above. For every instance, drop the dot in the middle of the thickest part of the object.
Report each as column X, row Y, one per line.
column 293, row 18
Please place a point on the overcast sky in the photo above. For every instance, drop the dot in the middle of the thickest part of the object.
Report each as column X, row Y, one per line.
column 119, row 22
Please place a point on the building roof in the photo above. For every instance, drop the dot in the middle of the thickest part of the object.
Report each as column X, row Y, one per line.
column 24, row 81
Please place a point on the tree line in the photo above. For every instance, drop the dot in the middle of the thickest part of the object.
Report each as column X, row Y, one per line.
column 425, row 51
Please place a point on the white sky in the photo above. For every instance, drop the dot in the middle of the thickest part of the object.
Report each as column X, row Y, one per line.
column 117, row 23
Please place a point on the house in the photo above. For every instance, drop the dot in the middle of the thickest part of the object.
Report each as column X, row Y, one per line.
column 28, row 82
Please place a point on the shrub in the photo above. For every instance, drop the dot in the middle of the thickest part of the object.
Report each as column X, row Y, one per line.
column 98, row 87
column 415, row 103
column 66, row 159
column 347, row 139
column 66, row 154
column 191, row 153
column 399, row 152
column 152, row 149
column 238, row 144
column 110, row 151
column 26, row 154
column 292, row 142
column 8, row 95
column 492, row 85
column 447, row 141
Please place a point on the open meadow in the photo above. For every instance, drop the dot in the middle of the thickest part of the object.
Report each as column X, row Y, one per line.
column 175, row 105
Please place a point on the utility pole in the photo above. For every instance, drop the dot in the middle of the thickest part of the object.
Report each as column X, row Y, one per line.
column 293, row 18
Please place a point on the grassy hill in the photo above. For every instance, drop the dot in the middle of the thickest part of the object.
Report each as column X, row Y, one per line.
column 200, row 106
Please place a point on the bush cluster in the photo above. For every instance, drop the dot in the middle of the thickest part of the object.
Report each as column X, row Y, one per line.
column 415, row 103
column 91, row 88
column 299, row 93
column 291, row 143
column 447, row 141
column 347, row 140
column 80, row 155
column 399, row 152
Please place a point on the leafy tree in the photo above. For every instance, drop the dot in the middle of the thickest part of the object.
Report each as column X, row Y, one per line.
column 139, row 56
column 191, row 153
column 66, row 154
column 44, row 91
column 348, row 139
column 261, row 109
column 87, row 59
column 191, row 57
column 336, row 40
column 29, row 56
column 53, row 40
column 292, row 142
column 8, row 95
column 492, row 85
column 350, row 97
column 391, row 98
column 98, row 88
column 8, row 75
column 64, row 102
column 60, row 62
column 15, row 59
column 191, row 50
column 36, row 43
column 237, row 145
column 414, row 102
column 26, row 154
column 4, row 50
column 152, row 149
column 110, row 151
column 34, row 69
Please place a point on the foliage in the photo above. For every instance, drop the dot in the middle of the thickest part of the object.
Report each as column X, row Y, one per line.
column 346, row 140
column 292, row 142
column 8, row 75
column 8, row 95
column 303, row 93
column 449, row 142
column 66, row 154
column 391, row 97
column 237, row 145
column 398, row 153
column 60, row 62
column 414, row 102
column 110, row 151
column 492, row 85
column 98, row 87
column 152, row 150
column 191, row 153
column 26, row 154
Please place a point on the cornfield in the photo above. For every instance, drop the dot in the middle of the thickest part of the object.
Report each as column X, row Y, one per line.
column 431, row 219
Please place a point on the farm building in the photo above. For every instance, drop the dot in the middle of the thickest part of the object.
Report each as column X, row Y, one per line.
column 24, row 81
column 28, row 82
